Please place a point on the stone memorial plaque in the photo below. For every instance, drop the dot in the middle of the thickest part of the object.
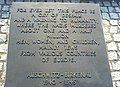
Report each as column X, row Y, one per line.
column 56, row 45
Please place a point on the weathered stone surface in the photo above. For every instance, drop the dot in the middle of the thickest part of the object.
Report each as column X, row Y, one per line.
column 4, row 73
column 104, row 9
column 119, row 54
column 108, row 37
column 106, row 3
column 114, row 84
column 117, row 9
column 115, row 75
column 105, row 23
column 112, row 46
column 1, row 66
column 106, row 30
column 112, row 55
column 114, row 16
column 5, row 8
column 3, row 57
column 111, row 9
column 100, row 3
column 113, row 29
column 2, row 2
column 5, row 29
column 114, row 3
column 110, row 64
column 116, row 65
column 105, row 16
column 5, row 14
column 114, row 22
column 118, row 83
column 22, row 68
column 3, row 37
column 8, row 22
column 3, row 21
column 1, row 84
column 0, row 7
column 119, row 46
column 4, row 68
column 3, row 48
column 106, row 26
column 116, row 37
column 1, row 41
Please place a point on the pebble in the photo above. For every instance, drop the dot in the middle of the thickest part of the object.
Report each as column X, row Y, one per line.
column 3, row 37
column 113, row 29
column 118, row 83
column 116, row 37
column 105, row 16
column 111, row 46
column 108, row 37
column 5, row 29
column 5, row 15
column 106, row 3
column 5, row 8
column 112, row 55
column 3, row 57
column 114, row 22
column 115, row 75
column 116, row 65
column 3, row 48
column 3, row 21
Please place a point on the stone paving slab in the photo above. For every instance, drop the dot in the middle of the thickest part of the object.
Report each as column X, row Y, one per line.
column 2, row 1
